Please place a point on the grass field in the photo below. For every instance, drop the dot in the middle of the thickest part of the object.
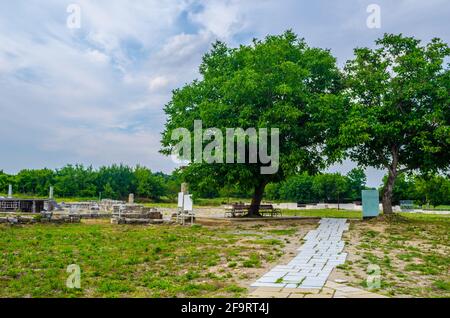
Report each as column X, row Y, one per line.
column 435, row 208
column 411, row 250
column 325, row 213
column 136, row 261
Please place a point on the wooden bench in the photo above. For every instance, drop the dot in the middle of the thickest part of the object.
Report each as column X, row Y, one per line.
column 242, row 209
column 268, row 209
column 237, row 210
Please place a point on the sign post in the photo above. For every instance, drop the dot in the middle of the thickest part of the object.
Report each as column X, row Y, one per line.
column 370, row 203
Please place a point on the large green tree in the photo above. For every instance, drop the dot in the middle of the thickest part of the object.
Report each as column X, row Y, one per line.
column 404, row 188
column 330, row 186
column 34, row 181
column 434, row 190
column 357, row 182
column 399, row 108
column 5, row 179
column 149, row 185
column 279, row 82
column 298, row 188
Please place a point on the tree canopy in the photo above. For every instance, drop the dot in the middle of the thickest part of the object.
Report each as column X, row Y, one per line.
column 323, row 187
column 389, row 108
column 399, row 114
column 279, row 82
column 113, row 182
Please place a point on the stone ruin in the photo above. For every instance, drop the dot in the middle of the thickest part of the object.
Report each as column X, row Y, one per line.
column 43, row 217
column 136, row 214
column 49, row 210
column 90, row 209
column 107, row 205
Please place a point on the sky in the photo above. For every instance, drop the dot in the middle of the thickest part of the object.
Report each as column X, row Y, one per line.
column 94, row 94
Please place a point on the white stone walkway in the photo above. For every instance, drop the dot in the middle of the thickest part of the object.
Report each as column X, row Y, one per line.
column 317, row 258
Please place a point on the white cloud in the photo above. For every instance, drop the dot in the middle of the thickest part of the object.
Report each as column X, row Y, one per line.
column 182, row 46
column 158, row 82
column 95, row 95
column 221, row 18
column 97, row 56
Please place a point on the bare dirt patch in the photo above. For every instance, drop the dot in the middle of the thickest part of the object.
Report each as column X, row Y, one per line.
column 412, row 254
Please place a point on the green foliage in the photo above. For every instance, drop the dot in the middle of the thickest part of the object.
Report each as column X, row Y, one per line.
column 298, row 189
column 272, row 191
column 430, row 189
column 279, row 82
column 399, row 115
column 114, row 182
column 356, row 179
column 119, row 180
column 434, row 190
column 35, row 181
column 149, row 185
column 400, row 100
column 405, row 188
column 325, row 187
column 4, row 180
column 330, row 186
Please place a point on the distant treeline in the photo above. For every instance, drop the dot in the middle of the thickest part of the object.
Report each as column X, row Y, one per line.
column 433, row 190
column 326, row 187
column 117, row 181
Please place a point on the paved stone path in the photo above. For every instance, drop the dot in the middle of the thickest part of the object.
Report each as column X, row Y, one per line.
column 317, row 258
column 307, row 274
column 330, row 290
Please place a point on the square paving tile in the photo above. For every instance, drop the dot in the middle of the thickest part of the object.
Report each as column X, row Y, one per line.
column 257, row 284
column 316, row 259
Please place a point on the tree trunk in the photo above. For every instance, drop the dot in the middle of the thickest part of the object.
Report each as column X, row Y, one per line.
column 387, row 193
column 389, row 186
column 256, row 199
column 338, row 201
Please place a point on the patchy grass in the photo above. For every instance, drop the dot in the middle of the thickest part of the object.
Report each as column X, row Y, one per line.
column 136, row 261
column 411, row 250
column 429, row 218
column 253, row 261
column 325, row 213
column 171, row 205
column 435, row 208
column 219, row 201
column 284, row 232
